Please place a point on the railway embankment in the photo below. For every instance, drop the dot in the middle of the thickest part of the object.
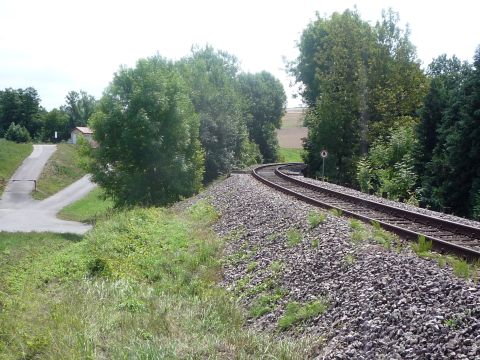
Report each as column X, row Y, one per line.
column 363, row 293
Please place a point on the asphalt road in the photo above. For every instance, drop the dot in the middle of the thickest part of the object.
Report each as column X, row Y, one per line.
column 20, row 212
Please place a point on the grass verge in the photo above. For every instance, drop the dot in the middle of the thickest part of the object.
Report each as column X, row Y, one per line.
column 11, row 157
column 61, row 170
column 290, row 155
column 89, row 209
column 141, row 285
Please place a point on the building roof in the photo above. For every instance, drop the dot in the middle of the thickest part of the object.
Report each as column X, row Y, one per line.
column 84, row 130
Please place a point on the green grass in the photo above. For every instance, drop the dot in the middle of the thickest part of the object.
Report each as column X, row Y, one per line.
column 89, row 209
column 290, row 155
column 336, row 212
column 294, row 236
column 265, row 304
column 61, row 170
column 381, row 236
column 296, row 313
column 141, row 284
column 315, row 218
column 11, row 157
column 422, row 246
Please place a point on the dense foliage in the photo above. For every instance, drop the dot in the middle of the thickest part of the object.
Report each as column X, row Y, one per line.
column 21, row 107
column 264, row 103
column 358, row 81
column 211, row 76
column 449, row 133
column 390, row 128
column 148, row 133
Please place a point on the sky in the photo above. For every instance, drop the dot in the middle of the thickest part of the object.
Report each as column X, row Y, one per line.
column 57, row 46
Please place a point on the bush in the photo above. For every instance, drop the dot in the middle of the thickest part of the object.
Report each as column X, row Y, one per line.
column 17, row 133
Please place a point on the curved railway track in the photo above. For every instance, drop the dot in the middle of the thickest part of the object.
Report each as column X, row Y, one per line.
column 460, row 239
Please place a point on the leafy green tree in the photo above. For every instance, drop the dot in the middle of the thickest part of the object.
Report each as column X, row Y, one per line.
column 264, row 103
column 359, row 82
column 333, row 68
column 55, row 121
column 147, row 132
column 211, row 76
column 461, row 128
column 79, row 107
column 22, row 107
column 17, row 133
column 439, row 124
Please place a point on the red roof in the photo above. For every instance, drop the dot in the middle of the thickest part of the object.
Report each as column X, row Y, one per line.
column 84, row 130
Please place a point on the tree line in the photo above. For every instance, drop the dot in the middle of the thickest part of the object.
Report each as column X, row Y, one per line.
column 23, row 119
column 166, row 128
column 390, row 127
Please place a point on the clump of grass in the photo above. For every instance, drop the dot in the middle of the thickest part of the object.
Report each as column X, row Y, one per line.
column 381, row 236
column 296, row 313
column 350, row 259
column 359, row 233
column 423, row 245
column 356, row 225
column 265, row 303
column 461, row 268
column 336, row 212
column 251, row 266
column 315, row 218
column 294, row 236
column 315, row 242
column 276, row 267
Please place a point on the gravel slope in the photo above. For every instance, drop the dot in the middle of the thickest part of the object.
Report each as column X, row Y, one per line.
column 382, row 304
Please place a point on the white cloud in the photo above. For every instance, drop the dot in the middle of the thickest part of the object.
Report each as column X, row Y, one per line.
column 57, row 46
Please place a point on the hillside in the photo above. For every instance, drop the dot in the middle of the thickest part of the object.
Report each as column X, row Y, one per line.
column 11, row 156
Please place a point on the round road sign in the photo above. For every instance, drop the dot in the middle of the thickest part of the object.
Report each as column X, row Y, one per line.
column 324, row 153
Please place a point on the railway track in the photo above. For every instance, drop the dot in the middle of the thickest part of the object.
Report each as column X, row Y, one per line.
column 460, row 239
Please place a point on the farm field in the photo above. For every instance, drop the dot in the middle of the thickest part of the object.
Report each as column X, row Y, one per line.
column 292, row 131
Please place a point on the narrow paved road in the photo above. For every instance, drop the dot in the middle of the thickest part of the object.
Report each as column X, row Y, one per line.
column 19, row 212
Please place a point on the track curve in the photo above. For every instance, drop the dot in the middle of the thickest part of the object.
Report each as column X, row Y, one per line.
column 460, row 239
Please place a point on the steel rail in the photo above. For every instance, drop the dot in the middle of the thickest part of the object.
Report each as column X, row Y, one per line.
column 277, row 171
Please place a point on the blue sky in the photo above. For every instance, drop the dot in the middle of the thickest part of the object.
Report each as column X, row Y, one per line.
column 61, row 45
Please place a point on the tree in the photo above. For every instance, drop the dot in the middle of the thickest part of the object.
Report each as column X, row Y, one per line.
column 17, row 133
column 211, row 76
column 147, row 132
column 55, row 121
column 264, row 103
column 79, row 107
column 333, row 68
column 438, row 124
column 359, row 82
column 22, row 107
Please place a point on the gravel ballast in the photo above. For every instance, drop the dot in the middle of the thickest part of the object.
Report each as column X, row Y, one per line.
column 381, row 303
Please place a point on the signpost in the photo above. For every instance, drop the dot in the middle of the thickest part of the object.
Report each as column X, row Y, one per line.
column 324, row 155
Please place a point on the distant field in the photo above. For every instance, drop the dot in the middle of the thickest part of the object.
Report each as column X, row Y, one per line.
column 291, row 155
column 292, row 131
column 11, row 157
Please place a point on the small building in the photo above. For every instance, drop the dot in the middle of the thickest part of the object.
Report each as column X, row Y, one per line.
column 85, row 132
